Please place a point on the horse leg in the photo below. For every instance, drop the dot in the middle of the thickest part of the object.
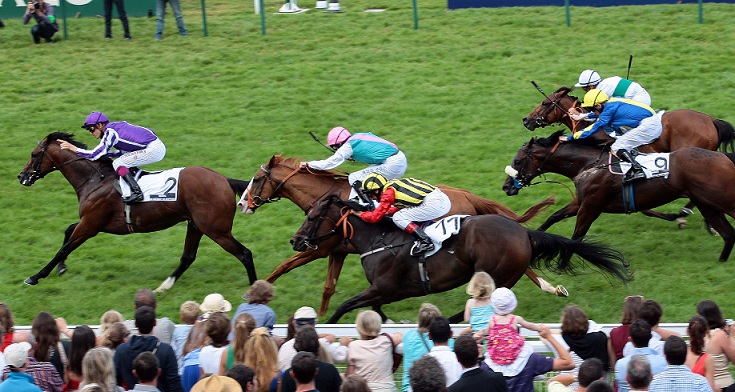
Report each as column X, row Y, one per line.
column 79, row 234
column 567, row 211
column 585, row 218
column 559, row 290
column 298, row 260
column 235, row 248
column 191, row 246
column 719, row 222
column 334, row 269
column 369, row 297
column 61, row 268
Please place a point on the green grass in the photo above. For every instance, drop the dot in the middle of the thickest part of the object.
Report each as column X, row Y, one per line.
column 451, row 95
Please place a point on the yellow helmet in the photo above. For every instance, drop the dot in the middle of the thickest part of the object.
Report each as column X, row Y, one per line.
column 374, row 182
column 594, row 97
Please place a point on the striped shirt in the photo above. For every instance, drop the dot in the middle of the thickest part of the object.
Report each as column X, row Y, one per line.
column 122, row 136
column 44, row 375
column 679, row 378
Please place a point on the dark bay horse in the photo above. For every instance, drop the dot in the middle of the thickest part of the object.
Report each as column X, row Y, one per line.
column 206, row 199
column 706, row 177
column 491, row 243
column 282, row 177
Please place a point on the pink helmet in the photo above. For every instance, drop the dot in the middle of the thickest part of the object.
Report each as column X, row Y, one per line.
column 338, row 135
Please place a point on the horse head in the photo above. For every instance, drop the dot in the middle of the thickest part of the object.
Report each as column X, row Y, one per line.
column 331, row 209
column 266, row 183
column 552, row 109
column 529, row 162
column 48, row 156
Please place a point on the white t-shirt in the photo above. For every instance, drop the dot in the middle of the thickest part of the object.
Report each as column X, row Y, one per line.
column 446, row 357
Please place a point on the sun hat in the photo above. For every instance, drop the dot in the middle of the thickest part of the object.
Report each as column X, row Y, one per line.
column 215, row 383
column 215, row 302
column 16, row 354
column 503, row 301
column 305, row 315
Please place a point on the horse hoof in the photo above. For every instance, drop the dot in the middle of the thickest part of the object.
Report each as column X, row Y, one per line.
column 681, row 223
column 561, row 291
column 167, row 284
column 31, row 281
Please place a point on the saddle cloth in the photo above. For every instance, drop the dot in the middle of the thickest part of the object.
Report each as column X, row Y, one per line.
column 156, row 186
column 440, row 230
column 654, row 165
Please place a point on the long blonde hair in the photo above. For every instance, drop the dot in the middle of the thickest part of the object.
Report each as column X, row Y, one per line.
column 244, row 326
column 98, row 368
column 481, row 285
column 261, row 354
column 108, row 318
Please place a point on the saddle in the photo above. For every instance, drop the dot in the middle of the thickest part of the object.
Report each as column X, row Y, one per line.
column 159, row 185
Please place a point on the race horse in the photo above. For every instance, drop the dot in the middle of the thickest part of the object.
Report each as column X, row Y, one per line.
column 706, row 177
column 283, row 177
column 206, row 200
column 492, row 243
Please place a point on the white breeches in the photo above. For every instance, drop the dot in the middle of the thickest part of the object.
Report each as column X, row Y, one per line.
column 435, row 205
column 646, row 132
column 642, row 96
column 155, row 152
column 393, row 168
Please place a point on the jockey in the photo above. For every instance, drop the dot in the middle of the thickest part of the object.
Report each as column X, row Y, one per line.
column 135, row 146
column 614, row 87
column 631, row 123
column 382, row 156
column 409, row 201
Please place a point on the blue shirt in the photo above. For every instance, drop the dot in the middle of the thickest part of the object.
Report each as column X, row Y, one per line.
column 264, row 316
column 657, row 361
column 19, row 382
column 678, row 378
column 617, row 113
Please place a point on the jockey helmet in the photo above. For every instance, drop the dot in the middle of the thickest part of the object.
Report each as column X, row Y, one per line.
column 374, row 182
column 337, row 136
column 594, row 97
column 95, row 118
column 588, row 77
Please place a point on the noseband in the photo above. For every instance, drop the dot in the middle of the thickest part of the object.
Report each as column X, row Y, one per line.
column 313, row 239
column 524, row 179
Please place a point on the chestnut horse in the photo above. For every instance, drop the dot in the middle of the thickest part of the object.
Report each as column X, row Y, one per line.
column 282, row 177
column 491, row 243
column 206, row 199
column 706, row 177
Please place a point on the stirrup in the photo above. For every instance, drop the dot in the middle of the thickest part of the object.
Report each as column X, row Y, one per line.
column 634, row 175
column 421, row 248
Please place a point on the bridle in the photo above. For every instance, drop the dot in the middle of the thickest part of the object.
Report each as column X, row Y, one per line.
column 37, row 174
column 254, row 198
column 540, row 120
column 524, row 179
column 313, row 239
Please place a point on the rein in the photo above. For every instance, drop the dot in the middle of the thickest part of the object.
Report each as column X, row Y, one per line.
column 255, row 201
column 36, row 171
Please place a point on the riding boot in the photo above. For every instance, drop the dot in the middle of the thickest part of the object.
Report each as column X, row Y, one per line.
column 424, row 243
column 136, row 194
column 636, row 171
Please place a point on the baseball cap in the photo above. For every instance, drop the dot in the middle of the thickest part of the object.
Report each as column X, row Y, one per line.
column 16, row 354
column 305, row 314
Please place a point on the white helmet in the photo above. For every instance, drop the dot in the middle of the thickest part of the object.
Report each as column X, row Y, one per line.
column 588, row 77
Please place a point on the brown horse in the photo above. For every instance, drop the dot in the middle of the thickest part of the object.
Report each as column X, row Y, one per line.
column 282, row 177
column 491, row 243
column 206, row 200
column 706, row 177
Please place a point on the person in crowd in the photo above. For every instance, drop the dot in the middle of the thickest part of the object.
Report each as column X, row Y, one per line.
column 188, row 314
column 197, row 339
column 583, row 338
column 677, row 376
column 478, row 310
column 640, row 336
column 303, row 371
column 261, row 354
column 416, row 342
column 16, row 356
column 426, row 375
column 244, row 326
column 48, row 347
column 327, row 378
column 354, row 383
column 46, row 25
column 164, row 327
column 244, row 375
column 120, row 5
column 147, row 371
column 591, row 370
column 504, row 343
column 408, row 201
column 11, row 335
column 698, row 360
column 258, row 296
column 600, row 386
column 372, row 355
column 44, row 374
column 3, row 364
column 92, row 388
column 639, row 374
column 134, row 146
column 161, row 16
column 213, row 357
column 98, row 368
column 331, row 350
column 108, row 318
column 719, row 344
column 440, row 332
column 145, row 319
column 619, row 335
column 633, row 123
column 382, row 156
column 474, row 379
column 614, row 86
column 520, row 374
column 82, row 340
column 215, row 383
column 115, row 335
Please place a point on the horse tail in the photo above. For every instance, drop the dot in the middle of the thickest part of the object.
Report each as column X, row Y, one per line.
column 238, row 186
column 536, row 209
column 725, row 135
column 556, row 253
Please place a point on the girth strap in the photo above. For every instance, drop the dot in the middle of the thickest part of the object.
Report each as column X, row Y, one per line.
column 128, row 219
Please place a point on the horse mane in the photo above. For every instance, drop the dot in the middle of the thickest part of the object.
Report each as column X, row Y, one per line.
column 293, row 163
column 549, row 141
column 69, row 137
column 566, row 90
column 554, row 138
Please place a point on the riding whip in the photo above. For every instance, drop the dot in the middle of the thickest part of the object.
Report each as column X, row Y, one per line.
column 318, row 141
column 630, row 62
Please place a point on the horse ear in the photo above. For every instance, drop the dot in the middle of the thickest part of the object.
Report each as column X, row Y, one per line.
column 272, row 161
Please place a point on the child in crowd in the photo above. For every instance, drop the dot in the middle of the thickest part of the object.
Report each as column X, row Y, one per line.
column 258, row 297
column 477, row 310
column 504, row 342
column 189, row 312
